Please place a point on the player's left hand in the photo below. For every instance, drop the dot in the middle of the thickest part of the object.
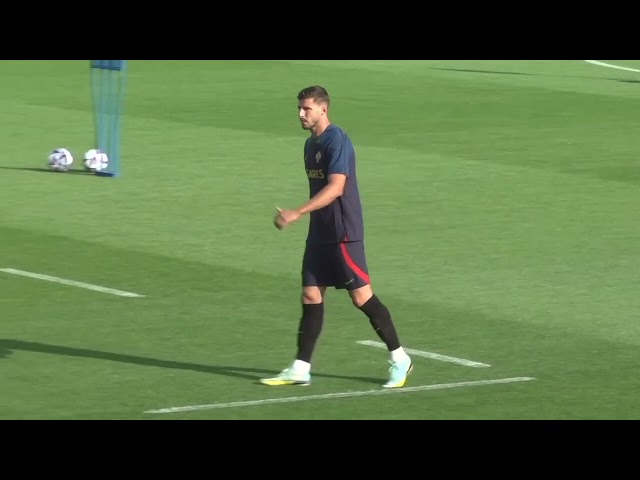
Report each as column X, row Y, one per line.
column 284, row 217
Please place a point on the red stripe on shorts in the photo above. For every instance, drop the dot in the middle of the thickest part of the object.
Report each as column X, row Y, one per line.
column 352, row 265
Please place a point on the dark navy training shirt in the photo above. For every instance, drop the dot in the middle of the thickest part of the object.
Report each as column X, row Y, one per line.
column 341, row 220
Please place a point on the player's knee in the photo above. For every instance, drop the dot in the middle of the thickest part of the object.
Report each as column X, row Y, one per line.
column 361, row 295
column 312, row 295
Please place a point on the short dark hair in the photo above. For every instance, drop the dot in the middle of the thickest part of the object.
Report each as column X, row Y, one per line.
column 317, row 93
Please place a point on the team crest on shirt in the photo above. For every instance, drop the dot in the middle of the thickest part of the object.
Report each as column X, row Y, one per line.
column 318, row 157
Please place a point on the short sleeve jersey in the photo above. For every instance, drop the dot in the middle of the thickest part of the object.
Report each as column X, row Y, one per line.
column 342, row 220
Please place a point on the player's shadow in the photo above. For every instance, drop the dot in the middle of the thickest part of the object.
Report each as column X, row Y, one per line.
column 9, row 345
column 47, row 170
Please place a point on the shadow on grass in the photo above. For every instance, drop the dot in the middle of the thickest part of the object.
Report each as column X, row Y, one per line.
column 530, row 74
column 467, row 70
column 47, row 170
column 7, row 346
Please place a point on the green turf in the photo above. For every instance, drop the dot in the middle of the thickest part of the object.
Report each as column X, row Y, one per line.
column 499, row 197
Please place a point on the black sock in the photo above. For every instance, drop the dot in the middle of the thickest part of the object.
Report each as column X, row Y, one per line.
column 381, row 321
column 309, row 330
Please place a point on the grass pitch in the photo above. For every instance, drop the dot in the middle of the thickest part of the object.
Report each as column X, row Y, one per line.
column 499, row 197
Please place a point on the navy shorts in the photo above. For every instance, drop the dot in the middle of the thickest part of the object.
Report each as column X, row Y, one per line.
column 340, row 265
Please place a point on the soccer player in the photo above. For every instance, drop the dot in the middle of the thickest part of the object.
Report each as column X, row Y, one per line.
column 334, row 255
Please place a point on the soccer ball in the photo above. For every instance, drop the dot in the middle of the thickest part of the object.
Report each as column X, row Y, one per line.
column 60, row 160
column 95, row 160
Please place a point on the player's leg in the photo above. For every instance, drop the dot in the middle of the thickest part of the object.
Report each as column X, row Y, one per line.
column 358, row 284
column 311, row 321
column 314, row 273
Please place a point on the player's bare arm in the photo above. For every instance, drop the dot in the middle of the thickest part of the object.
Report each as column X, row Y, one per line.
column 333, row 190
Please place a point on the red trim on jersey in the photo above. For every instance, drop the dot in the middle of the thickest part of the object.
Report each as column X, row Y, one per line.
column 352, row 265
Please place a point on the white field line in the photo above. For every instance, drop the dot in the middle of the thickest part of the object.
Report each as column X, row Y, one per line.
column 431, row 355
column 609, row 65
column 327, row 396
column 73, row 283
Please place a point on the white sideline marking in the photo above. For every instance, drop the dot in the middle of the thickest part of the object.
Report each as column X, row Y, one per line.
column 270, row 401
column 431, row 355
column 73, row 283
column 602, row 64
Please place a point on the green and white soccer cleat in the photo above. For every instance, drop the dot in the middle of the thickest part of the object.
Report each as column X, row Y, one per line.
column 398, row 373
column 288, row 377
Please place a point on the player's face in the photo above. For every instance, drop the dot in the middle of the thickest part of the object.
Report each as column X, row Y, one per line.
column 310, row 113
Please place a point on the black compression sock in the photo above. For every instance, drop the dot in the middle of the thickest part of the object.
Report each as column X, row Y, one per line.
column 381, row 321
column 309, row 330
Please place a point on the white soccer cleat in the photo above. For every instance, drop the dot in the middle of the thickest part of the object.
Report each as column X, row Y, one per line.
column 288, row 376
column 398, row 373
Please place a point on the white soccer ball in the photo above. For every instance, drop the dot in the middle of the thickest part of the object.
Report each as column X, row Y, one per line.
column 95, row 160
column 60, row 160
